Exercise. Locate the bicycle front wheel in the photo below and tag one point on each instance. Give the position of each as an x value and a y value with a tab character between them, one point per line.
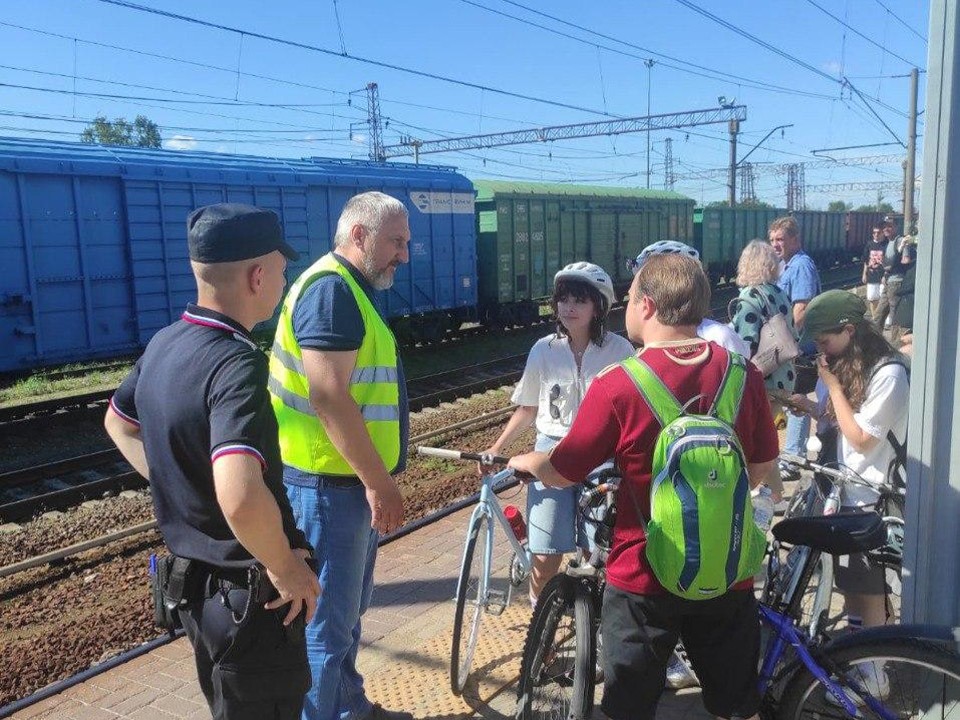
557	672
471	603
901	678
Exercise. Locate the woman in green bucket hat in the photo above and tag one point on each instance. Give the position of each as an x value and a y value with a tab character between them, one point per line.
861	411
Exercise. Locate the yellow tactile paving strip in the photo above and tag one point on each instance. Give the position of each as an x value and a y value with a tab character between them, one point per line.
422	686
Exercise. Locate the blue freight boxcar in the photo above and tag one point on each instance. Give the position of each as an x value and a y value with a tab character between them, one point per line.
93	239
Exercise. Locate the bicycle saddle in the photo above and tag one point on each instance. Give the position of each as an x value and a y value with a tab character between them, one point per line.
839	534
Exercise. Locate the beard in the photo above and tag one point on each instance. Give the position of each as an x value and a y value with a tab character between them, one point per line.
379	279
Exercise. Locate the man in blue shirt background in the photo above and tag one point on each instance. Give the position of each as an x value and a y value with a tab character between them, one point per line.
800	281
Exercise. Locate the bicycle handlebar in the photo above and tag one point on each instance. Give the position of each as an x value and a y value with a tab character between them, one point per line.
459	455
843	475
482	458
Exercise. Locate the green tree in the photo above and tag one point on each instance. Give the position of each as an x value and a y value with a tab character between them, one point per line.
839	206
142	132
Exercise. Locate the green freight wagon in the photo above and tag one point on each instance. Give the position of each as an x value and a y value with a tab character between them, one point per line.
528	231
824	236
722	233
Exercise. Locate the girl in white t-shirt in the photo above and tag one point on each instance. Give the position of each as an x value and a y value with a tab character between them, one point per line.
559	369
863	393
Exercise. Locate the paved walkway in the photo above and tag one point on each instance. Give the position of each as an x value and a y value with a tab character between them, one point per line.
405	655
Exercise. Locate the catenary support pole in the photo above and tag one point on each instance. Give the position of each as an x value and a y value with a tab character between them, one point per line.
732	180
910	173
931	589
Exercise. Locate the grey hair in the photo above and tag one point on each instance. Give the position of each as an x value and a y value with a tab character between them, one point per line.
369	209
758	264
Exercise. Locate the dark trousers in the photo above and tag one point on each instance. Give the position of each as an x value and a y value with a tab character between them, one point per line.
721	637
254	669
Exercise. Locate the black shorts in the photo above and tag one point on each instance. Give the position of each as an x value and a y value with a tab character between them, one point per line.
721	636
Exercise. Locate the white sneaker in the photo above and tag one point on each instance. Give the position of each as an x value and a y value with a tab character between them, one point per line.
679	674
874	679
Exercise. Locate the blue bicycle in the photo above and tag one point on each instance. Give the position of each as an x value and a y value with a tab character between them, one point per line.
896	672
893	672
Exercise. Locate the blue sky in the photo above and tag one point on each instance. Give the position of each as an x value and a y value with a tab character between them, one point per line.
249	95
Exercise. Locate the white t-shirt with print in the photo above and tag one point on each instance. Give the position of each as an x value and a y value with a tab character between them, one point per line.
724	336
884	408
551	379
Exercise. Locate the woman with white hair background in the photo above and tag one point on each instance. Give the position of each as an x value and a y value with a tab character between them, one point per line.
760	299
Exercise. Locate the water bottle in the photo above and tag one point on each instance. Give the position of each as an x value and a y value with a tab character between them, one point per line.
832	504
763	505
515	518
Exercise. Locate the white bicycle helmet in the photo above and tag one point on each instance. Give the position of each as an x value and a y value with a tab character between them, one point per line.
663	247
593	275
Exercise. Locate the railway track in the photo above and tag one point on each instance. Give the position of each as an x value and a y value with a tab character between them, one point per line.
53	486
25	492
113	457
17	415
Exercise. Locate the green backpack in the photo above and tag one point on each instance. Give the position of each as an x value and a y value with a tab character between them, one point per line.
701	538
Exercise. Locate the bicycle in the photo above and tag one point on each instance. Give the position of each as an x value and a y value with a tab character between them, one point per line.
892	672
474	589
557	669
820	496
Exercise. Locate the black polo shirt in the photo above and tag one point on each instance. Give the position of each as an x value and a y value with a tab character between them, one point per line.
200	392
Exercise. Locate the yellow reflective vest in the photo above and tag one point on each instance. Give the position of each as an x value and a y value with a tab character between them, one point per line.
304	443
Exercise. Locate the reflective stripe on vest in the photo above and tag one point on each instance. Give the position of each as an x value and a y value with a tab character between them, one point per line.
304	442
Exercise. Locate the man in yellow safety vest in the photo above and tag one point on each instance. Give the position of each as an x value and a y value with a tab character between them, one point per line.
337	388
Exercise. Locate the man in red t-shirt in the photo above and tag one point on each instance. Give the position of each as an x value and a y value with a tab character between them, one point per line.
641	620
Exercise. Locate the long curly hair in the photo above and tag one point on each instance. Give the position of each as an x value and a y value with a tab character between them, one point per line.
853	367
581	290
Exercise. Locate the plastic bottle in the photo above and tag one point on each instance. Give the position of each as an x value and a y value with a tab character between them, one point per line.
517	524
832	504
763	506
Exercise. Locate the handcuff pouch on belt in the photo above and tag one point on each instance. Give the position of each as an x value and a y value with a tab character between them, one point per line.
175	581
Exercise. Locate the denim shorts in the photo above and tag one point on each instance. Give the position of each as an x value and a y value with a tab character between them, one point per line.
553	524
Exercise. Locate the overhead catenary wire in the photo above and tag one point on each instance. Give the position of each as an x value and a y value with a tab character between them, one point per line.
859	34
257	76
772	48
900	20
705	72
356	58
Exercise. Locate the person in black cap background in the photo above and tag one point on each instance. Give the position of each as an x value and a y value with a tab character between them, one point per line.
194	417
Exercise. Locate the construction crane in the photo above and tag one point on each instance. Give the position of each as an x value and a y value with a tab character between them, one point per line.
666	121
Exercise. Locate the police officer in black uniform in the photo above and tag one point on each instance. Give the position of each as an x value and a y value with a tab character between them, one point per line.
194	417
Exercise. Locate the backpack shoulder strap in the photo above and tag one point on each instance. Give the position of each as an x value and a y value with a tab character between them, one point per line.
658	397
726	404
899	448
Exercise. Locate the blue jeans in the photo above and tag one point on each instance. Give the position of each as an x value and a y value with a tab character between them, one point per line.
336	522
798	432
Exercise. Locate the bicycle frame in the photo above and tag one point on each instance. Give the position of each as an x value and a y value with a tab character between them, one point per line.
788	635
489	506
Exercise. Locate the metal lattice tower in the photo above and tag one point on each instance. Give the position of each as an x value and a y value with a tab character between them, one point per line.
669	177
374	123
796	188
748	177
620	126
